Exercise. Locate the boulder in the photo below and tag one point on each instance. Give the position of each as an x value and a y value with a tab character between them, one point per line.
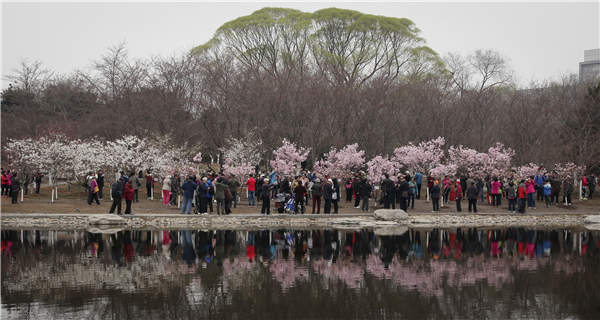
593	219
106	219
390	215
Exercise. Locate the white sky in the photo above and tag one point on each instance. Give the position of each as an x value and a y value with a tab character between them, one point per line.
541	40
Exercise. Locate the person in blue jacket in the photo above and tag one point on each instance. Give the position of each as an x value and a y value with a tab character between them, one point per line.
539	185
418	180
210	190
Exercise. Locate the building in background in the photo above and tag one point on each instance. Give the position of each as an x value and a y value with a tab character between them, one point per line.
589	69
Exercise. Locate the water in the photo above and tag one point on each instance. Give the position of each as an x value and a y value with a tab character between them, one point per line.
301	274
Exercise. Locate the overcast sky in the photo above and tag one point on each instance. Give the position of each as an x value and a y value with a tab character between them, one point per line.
541	40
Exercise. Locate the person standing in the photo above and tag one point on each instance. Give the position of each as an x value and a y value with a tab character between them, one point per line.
356	189
522	194
316	190
413	191
435	195
4	183
349	190
458	196
15	187
137	184
511	196
220	195
568	191
530	185
479	183
189	186
418	179
547	193
166	190
266	197
495	186
539	185
234	185
364	193
472	195
38	182
93	192
335	197
389	192
202	199
210	192
149	184
100	182
116	191
403	190
299	192
128	195
327	195
591	186
555	183
251	184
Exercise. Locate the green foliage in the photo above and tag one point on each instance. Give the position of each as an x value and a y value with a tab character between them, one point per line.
347	45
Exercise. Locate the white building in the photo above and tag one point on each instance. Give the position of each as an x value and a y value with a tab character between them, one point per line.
589	69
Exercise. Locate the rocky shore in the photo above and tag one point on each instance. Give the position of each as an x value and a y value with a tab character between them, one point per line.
384	221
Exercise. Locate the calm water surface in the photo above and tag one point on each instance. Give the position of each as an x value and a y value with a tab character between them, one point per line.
301	274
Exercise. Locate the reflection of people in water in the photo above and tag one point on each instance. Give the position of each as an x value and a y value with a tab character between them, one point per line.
127	246
189	255
116	249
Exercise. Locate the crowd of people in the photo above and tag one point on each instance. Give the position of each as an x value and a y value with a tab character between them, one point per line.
221	192
12	183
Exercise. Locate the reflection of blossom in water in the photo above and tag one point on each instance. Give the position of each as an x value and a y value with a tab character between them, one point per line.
287	273
350	273
428	276
236	270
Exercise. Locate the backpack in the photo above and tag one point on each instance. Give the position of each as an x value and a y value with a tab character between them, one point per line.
114	189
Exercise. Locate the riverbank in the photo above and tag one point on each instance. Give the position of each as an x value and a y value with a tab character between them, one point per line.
104	222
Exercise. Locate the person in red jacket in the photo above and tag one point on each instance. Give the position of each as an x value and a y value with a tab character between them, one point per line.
458	195
128	195
4	183
522	194
251	183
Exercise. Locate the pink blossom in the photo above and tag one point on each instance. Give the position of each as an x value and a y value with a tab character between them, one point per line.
378	166
341	163
288	158
422	157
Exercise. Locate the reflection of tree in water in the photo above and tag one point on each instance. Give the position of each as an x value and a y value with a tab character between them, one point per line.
390	282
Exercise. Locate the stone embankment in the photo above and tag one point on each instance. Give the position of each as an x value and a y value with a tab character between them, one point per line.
382	221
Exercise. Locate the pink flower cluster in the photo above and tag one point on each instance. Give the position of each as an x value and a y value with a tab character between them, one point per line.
341	163
421	157
378	166
288	158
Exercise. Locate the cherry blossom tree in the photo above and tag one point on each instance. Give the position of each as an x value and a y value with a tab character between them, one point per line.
568	170
527	170
243	151
288	158
240	170
378	166
341	163
498	160
442	170
421	157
